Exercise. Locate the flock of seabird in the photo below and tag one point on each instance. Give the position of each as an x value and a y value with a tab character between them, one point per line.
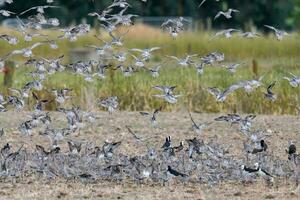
87	162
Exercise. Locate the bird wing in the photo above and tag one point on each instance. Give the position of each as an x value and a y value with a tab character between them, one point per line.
32	8
145	113
167	22
231	89
158	87
157	110
271	27
218	15
192	119
174	57
36	45
93	14
234	10
154	48
135	49
214	91
35	96
269	89
132	133
201	3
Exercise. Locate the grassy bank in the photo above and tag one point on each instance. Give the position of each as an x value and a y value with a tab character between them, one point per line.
275	60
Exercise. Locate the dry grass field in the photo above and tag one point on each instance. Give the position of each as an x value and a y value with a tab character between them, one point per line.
280	130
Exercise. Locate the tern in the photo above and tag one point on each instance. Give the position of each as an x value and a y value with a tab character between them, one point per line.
227	14
279	33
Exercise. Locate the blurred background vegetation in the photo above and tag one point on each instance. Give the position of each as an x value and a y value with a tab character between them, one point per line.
284	14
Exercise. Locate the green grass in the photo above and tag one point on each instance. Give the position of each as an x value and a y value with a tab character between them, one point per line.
275	60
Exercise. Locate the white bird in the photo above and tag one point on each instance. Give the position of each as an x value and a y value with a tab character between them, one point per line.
6	13
10	39
221	95
27	52
165	89
120	4
279	33
8	1
227	33
101	17
198	128
203	1
227	14
39	9
138	62
232	67
146	53
170	98
294	80
200	68
155	71
184	62
263	173
250	35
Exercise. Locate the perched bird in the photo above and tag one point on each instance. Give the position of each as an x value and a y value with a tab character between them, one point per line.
263	173
167	143
263	147
248	169
291	151
180	147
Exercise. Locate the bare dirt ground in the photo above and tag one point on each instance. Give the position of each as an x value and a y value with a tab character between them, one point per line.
280	130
